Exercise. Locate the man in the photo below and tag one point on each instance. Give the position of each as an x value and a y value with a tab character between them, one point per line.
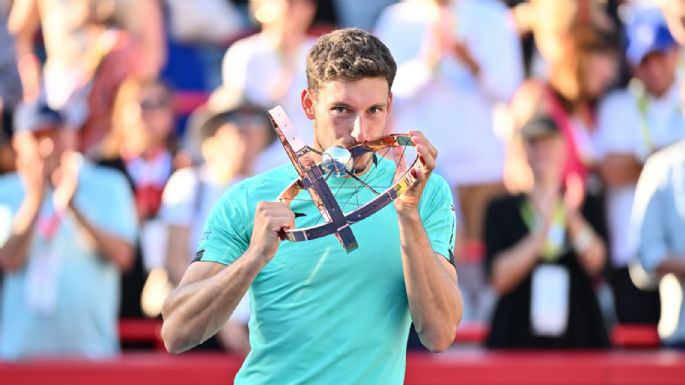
659	213
632	124
66	230
321	315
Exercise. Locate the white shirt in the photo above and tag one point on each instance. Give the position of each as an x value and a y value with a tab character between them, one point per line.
620	129
452	107
249	67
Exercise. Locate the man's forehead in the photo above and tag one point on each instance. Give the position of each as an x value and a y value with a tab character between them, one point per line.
371	90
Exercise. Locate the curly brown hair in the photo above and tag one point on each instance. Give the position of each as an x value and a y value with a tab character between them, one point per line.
348	54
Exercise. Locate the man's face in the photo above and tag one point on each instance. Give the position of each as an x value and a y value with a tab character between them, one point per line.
546	156
657	71
348	112
46	145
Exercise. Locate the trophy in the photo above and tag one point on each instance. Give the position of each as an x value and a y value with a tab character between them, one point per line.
314	168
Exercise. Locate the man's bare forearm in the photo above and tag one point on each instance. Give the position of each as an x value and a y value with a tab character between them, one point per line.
115	249
434	298
196	310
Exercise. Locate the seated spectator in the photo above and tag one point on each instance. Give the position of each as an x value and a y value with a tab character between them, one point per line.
231	140
633	123
544	248
68	228
141	145
659	215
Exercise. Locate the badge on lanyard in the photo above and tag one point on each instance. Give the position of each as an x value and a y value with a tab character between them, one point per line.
549	301
550	284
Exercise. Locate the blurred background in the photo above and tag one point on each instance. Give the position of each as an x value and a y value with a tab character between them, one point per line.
559	125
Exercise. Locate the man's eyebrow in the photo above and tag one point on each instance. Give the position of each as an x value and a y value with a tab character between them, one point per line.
339	104
343	104
379	105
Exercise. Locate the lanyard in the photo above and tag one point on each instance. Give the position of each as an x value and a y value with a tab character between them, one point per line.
637	89
556	235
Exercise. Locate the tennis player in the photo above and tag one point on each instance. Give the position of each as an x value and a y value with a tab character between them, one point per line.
321	315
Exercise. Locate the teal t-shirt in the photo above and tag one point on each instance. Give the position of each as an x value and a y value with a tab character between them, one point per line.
319	314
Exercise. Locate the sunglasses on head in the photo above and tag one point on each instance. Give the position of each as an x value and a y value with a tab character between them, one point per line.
153	104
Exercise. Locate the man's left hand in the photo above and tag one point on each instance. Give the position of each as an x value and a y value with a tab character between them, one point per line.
408	203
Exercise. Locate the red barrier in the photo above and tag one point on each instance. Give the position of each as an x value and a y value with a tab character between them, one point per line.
625	336
458	367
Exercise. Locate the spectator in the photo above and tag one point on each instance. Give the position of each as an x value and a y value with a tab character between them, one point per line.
632	124
268	68
659	215
232	138
582	66
68	229
89	53
449	81
544	248
141	145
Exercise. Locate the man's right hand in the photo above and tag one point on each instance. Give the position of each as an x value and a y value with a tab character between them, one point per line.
270	219
31	167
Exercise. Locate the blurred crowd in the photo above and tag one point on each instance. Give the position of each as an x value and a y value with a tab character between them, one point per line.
559	125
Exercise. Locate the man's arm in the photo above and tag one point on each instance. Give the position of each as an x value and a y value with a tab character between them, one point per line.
431	281
672	264
13	252
115	249
209	292
207	295
31	169
620	169
434	299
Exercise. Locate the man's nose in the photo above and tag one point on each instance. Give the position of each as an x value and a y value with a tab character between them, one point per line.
358	129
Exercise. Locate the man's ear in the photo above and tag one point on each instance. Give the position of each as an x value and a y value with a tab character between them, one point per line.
307	99
389	103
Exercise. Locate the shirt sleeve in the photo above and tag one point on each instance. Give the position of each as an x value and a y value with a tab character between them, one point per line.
226	234
649	215
438	217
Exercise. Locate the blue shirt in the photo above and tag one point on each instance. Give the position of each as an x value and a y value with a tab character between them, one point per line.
82	320
321	315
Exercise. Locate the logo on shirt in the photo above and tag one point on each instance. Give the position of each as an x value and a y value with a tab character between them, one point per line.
205	235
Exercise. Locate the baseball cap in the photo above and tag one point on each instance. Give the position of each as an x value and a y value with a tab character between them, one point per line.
37	116
647	32
539	126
